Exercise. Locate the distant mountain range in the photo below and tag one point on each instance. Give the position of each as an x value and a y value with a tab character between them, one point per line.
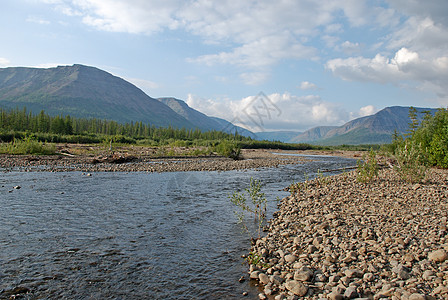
88	92
374	129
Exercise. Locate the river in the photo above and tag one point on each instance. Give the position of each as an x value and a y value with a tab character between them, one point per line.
71	235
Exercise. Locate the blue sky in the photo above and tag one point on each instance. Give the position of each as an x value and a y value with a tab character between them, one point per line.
317	62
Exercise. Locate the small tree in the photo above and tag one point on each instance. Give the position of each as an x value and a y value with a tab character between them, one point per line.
256	205
368	167
411	162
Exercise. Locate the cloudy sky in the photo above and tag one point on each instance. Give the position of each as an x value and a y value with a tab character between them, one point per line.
267	65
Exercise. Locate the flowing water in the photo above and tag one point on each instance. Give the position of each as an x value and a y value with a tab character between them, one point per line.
131	235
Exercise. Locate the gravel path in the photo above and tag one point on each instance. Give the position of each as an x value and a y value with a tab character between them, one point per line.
336	238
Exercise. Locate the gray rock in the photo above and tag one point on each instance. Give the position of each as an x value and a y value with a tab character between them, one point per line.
277	280
401	272
428	275
350	293
368	277
296	287
354	273
255	275
335	296
290	258
416	296
303	275
263	278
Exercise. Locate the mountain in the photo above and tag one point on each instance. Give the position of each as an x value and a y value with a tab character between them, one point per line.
374	129
84	92
201	120
281	136
88	92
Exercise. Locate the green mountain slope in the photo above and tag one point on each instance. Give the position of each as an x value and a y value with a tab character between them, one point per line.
374	129
84	92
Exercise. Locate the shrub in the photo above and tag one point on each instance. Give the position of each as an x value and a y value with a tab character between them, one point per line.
229	149
410	162
368	167
256	205
27	145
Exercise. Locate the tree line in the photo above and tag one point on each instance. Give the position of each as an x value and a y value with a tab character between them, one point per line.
21	120
426	142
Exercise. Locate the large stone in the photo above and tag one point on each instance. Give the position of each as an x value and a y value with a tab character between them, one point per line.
290	258
275	279
296	287
303	275
263	278
255	275
417	297
438	255
351	293
335	296
354	273
401	272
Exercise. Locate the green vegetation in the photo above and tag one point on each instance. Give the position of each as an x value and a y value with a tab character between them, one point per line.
424	145
16	125
229	149
27	145
367	167
256	205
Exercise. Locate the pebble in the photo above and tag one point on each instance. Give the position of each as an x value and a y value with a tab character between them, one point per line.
381	239
296	287
438	255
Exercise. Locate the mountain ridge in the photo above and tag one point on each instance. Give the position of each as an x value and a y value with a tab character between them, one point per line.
374	129
89	92
83	91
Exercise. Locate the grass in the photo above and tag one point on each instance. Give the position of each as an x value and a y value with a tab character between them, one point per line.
28	145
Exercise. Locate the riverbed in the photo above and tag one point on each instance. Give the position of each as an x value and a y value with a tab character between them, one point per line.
120	235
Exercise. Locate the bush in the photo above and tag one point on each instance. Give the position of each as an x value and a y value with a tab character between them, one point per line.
368	167
257	205
410	162
28	145
229	149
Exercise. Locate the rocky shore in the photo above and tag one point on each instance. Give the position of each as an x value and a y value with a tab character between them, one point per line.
142	162
337	238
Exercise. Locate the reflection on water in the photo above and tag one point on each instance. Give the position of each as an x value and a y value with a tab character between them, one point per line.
130	235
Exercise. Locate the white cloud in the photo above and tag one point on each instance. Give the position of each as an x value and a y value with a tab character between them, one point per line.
306	85
437	10
254	36
4	62
273	112
405	65
146	85
257	34
367	110
37	20
349	47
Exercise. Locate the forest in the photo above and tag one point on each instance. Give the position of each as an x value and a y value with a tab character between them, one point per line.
20	124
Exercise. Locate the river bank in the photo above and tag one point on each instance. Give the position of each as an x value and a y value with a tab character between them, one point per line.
336	238
86	158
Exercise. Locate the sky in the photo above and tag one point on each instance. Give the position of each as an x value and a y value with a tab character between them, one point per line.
265	65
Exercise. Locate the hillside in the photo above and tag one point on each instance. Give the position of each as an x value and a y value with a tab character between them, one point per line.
374	129
201	120
84	92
